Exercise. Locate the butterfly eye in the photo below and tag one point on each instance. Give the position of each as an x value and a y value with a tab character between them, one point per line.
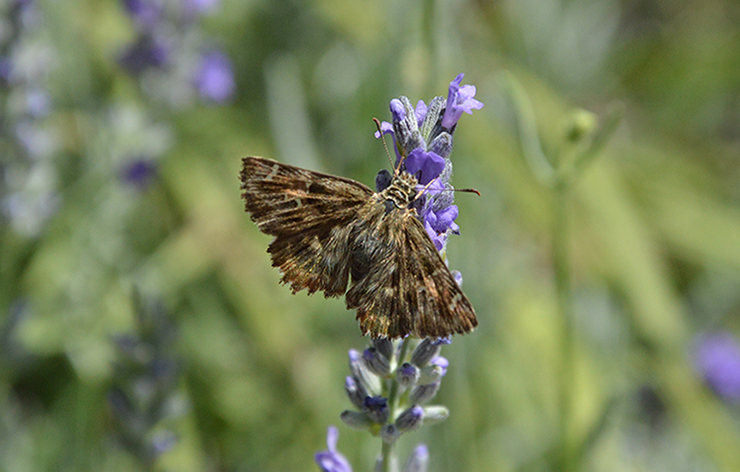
383	180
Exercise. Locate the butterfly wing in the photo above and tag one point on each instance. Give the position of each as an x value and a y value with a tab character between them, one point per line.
310	214
400	284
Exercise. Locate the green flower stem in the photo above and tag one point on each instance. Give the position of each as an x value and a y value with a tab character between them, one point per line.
386	451
561	266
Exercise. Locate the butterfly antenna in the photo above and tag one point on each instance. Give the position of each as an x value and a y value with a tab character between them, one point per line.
385	146
421	192
466	190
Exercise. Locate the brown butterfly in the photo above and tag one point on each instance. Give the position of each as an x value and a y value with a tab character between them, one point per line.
330	230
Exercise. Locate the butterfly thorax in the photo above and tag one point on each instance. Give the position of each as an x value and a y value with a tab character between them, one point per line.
401	191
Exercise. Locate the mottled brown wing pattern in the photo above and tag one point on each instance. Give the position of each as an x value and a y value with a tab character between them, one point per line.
310	214
400	285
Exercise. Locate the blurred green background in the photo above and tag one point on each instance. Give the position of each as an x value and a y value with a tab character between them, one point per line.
128	269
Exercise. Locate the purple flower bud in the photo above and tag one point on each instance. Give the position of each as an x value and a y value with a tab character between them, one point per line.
355	391
384	346
427	350
331	460
410	419
423	393
398	110
215	77
358	369
376	362
459	99
458	277
356	420
442	145
418	460
420	112
435	414
407	375
376	408
717	357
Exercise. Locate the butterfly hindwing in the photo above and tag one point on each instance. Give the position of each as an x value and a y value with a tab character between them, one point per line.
310	214
400	284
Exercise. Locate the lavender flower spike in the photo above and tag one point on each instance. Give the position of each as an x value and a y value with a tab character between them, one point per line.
332	460
459	99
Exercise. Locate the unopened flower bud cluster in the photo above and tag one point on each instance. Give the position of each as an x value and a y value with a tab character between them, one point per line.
378	370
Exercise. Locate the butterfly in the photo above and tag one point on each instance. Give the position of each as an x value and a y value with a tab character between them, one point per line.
331	232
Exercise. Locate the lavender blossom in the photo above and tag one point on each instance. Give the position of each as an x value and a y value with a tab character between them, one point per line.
171	65
717	358
215	77
423	144
459	99
332	460
389	411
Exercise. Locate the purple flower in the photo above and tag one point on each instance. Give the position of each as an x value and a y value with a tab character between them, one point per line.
442	363
398	110
138	172
146	13
429	164
146	52
332	460
410	419
439	224
459	99
717	357
215	77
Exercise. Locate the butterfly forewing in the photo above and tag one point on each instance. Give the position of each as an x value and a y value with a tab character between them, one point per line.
328	229
310	214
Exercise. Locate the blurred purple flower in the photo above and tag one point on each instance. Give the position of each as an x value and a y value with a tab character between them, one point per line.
418	459
717	357
331	460
5	69
200	7
145	13
139	172
215	77
146	52
459	99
